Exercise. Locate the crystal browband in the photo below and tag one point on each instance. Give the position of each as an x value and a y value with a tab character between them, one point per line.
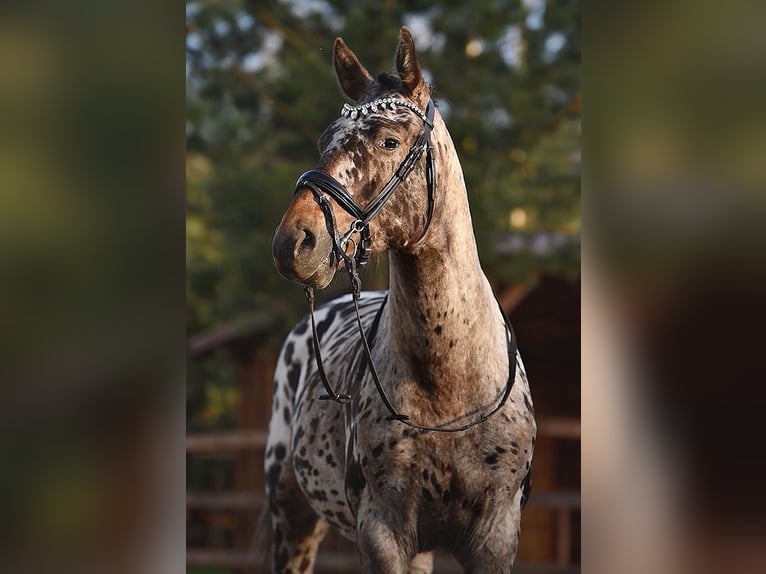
354	112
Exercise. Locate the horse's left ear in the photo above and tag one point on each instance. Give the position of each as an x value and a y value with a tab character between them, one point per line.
352	76
409	69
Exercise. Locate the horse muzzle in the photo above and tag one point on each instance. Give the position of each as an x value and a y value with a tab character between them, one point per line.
302	247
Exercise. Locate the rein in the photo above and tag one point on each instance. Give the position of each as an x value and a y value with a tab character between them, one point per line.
320	184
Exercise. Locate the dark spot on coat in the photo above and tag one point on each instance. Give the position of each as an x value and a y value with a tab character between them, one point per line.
293	376
377	450
286	415
301	327
289	348
280	451
427	495
327	321
302	465
355	478
491	459
319	495
272	476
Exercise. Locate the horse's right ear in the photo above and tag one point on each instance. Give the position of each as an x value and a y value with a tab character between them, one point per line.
352	76
409	69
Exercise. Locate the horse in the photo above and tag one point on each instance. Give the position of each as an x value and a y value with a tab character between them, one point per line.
402	418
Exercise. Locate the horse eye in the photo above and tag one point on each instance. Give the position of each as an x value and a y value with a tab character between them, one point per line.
389	143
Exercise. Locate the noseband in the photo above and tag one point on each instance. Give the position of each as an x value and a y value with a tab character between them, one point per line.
321	183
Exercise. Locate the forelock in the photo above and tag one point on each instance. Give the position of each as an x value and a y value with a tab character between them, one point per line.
386	85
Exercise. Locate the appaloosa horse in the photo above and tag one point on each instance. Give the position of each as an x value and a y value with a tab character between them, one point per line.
401	418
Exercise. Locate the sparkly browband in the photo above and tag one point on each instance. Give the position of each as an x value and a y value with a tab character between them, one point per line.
354	112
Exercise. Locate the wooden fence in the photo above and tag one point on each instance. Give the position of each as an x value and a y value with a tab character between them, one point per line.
564	505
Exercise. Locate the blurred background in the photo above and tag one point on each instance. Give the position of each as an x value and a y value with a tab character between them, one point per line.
92	285
260	91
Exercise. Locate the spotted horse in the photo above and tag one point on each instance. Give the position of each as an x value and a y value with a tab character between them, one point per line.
402	418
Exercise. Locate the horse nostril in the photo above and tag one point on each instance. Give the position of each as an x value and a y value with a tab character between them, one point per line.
305	244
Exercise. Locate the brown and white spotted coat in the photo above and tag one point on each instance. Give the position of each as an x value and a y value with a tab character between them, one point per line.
440	351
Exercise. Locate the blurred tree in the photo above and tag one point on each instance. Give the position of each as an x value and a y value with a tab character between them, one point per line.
260	90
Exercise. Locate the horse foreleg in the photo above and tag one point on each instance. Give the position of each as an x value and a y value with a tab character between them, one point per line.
498	553
297	530
379	550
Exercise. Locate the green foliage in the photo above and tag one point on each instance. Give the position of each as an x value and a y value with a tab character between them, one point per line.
261	89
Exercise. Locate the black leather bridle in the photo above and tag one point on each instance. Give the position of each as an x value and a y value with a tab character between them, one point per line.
320	184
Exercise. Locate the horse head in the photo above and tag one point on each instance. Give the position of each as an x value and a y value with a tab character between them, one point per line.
372	189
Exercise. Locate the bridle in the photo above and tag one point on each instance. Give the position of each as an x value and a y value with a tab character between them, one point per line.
320	184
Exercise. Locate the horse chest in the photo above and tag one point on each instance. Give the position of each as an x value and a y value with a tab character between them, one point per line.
446	468
440	487
318	458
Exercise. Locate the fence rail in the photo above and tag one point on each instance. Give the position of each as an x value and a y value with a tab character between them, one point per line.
224	441
239	500
216	442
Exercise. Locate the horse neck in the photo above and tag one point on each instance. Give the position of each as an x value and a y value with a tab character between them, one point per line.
445	321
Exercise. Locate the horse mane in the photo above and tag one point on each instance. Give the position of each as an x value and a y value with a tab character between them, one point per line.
386	83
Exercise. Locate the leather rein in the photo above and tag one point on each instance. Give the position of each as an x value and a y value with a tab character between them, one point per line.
320	184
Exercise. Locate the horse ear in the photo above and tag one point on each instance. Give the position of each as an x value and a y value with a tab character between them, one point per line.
352	76
409	69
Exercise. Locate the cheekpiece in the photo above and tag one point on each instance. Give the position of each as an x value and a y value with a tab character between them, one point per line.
381	104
